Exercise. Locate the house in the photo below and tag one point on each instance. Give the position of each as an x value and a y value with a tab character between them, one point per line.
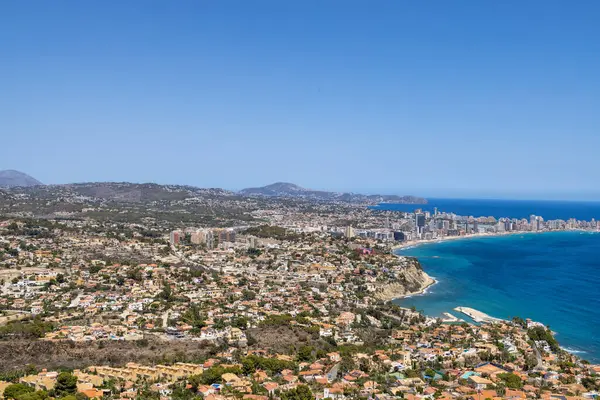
515	394
92	393
479	383
326	330
334	393
270	387
205	390
310	374
404	357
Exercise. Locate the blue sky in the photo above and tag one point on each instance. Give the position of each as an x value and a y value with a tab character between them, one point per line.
441	98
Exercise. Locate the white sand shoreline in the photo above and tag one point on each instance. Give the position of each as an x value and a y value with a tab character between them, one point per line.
415	243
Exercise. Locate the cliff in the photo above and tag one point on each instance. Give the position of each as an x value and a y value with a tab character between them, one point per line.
410	279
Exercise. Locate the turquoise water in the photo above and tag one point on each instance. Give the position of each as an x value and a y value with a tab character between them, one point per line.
550	277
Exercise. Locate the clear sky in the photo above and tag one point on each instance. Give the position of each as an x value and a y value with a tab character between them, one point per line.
436	98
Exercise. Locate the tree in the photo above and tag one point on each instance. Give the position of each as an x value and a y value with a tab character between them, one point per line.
66	384
511	380
347	363
211	375
16	390
167	292
181	393
39	395
195	381
541	333
194	317
305	353
248	295
240	322
302	392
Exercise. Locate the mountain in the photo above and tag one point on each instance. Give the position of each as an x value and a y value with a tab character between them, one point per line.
290	190
278	189
12	178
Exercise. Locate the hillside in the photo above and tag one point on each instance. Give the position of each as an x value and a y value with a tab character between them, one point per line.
12	178
290	190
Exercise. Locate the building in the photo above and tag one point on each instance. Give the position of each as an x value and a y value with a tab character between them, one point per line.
399	236
350	232
202	236
225	235
419	223
175	237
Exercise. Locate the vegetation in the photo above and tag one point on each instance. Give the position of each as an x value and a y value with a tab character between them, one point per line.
511	381
253	362
25	330
16	390
66	384
538	333
277	320
302	392
211	375
194	317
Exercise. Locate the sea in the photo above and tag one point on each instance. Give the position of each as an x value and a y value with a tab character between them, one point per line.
552	277
585	211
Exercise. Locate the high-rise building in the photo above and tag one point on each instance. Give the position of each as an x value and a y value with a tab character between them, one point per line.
225	235
252	242
350	232
202	236
175	237
534	223
209	239
419	222
197	237
399	236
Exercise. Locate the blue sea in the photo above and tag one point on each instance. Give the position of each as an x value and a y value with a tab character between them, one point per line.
552	278
564	210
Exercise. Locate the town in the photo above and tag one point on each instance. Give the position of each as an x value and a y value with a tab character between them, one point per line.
254	298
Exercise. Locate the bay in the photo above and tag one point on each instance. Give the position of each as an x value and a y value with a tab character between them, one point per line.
550	277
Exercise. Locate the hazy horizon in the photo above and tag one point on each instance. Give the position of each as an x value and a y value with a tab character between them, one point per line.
426	193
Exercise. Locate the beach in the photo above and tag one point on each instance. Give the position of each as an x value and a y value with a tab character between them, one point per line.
476	315
414	243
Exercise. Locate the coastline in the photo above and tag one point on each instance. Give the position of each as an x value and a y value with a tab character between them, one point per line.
431	281
415	243
469	307
394	291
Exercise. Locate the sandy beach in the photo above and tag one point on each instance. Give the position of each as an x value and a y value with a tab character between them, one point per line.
476	315
414	243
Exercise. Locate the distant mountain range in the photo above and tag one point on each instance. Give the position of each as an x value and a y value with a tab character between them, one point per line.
134	192
285	189
12	178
